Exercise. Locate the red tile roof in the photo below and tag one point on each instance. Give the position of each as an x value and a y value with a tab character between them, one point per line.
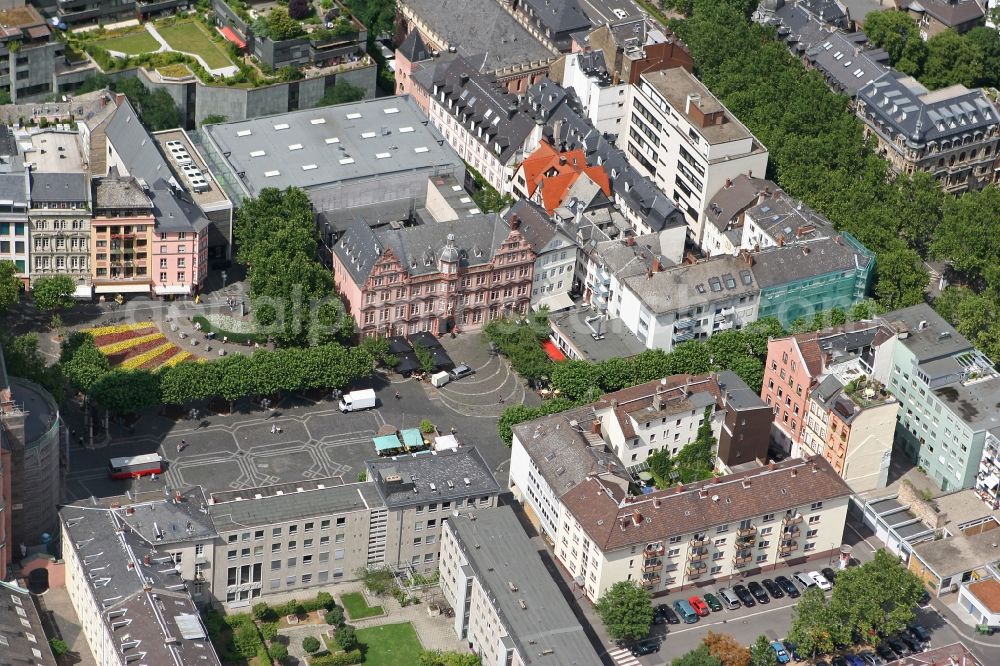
555	173
988	593
614	521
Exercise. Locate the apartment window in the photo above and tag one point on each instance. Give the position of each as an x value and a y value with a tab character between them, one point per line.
324	556
721	529
275	565
762	558
245	552
275	547
339	538
719	543
325	540
763	544
431	538
275	532
233	538
308	527
293	529
810	546
431	524
815	506
676	539
307	559
417	541
715	570
338	554
811	533
290	580
814	519
429	557
307	543
324	525
306	579
274	583
418	526
291	562
718	556
231	555
343	521
292	545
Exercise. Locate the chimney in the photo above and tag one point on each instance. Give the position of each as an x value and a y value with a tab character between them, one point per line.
595	427
805	250
630	240
692	98
781	240
515	222
658	399
656	265
636	517
562	160
729	183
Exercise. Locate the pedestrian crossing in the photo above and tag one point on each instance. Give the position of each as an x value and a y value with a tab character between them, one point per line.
623	657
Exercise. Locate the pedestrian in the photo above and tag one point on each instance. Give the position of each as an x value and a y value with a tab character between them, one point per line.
397	395
453	431
273	428
500	401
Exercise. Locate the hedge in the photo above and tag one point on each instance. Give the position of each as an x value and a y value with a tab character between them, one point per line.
339	659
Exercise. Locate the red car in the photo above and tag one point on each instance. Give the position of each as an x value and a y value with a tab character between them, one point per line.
699	606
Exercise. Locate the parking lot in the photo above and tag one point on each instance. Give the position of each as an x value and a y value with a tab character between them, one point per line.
224	452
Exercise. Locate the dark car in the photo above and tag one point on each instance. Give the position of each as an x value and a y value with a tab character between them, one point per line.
838	660
897	646
645	647
668	614
919	632
885	651
758	593
924	599
829	574
913	643
871	658
713	602
793	650
788	586
772	588
744	594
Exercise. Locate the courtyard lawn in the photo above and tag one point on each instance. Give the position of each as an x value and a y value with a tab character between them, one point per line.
390	645
357	608
191	37
134	43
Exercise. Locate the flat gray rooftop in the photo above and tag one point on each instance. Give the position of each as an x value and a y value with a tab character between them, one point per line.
617	342
279	508
531	607
313	148
415	479
56	152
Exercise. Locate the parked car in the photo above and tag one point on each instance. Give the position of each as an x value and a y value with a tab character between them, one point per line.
924	599
897	646
461	371
744	595
885	651
919	632
804	579
758	592
855	660
729	598
685	611
788	586
829	574
821	580
699	606
912	643
780	653
713	602
648	646
838	660
870	658
772	588
668	615
793	650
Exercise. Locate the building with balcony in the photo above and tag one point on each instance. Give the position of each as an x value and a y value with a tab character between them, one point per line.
797	364
686	141
948	420
129	578
60	213
15	188
435	277
732	526
952	133
507	607
672	304
121	234
33	64
852	426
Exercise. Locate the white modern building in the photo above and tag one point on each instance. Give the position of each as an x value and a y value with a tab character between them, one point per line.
603	98
683	138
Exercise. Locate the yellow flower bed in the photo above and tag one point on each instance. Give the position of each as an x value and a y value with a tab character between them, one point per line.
118	328
116	347
174	360
136	361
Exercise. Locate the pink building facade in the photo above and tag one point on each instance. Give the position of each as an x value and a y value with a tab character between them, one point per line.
179	262
787	382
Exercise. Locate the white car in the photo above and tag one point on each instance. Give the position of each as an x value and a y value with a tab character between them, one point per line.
821	580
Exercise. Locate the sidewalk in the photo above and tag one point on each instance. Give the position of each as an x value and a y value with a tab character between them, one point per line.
61	621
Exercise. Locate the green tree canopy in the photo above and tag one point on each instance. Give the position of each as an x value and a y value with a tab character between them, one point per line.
627	610
10	285
53	292
897	33
699	656
813	624
952	59
82	363
877	598
761	653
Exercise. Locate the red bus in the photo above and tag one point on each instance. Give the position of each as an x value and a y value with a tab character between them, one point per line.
128	467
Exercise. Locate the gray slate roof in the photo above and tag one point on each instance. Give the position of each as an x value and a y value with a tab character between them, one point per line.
949	12
291	505
454	474
783	265
780	215
474	27
479	99
532	609
685	286
559	16
901	105
937	339
117	573
19	618
535	224
737	393
567	127
59	187
174	210
477	237
14	188
413	47
730	201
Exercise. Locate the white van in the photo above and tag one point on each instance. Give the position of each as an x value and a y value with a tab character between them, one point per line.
439	379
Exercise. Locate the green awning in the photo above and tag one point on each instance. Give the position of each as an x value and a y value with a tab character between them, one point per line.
387	443
412	438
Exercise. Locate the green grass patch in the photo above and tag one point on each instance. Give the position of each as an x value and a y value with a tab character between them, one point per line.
177	70
133	43
235	338
390	645
357	608
191	37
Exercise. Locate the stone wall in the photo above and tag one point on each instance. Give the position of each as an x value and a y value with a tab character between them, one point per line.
925	510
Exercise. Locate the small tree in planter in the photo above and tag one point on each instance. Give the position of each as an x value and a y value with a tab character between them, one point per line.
346	638
426	427
335	617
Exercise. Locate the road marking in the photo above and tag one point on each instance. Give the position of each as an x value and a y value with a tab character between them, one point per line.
623	657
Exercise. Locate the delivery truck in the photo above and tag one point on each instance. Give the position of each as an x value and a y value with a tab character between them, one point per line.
358	400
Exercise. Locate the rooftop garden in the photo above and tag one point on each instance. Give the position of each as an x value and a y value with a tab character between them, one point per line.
866	392
319	21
